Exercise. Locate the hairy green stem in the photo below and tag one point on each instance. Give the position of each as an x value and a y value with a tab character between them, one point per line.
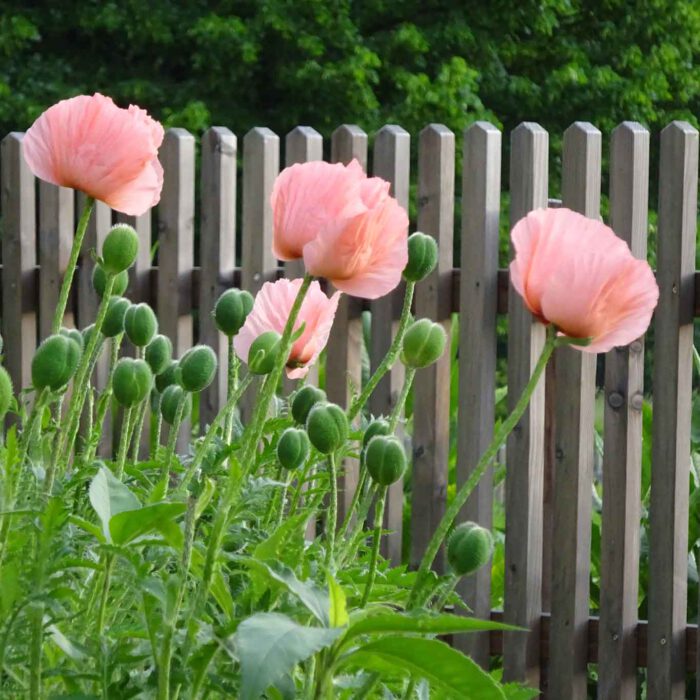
378	524
124	439
172	442
232	385
332	519
156	429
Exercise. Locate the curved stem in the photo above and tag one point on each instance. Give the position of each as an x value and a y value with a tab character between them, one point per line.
72	263
140	417
378	523
401	401
124	439
232	385
156	429
332	520
298	489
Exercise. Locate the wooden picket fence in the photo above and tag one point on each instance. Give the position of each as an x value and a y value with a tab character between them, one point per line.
547	556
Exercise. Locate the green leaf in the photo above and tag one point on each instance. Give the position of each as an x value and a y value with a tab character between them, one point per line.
444	667
110	497
514	691
272	546
269	645
70	649
338	604
87	526
127	526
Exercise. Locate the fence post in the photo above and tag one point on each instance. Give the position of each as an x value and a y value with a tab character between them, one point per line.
525	453
673	346
622	456
478	302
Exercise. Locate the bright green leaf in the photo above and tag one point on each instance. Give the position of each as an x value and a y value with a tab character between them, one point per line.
127	526
110	497
338	604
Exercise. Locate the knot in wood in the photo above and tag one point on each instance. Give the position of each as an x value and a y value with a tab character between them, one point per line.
616	399
637	401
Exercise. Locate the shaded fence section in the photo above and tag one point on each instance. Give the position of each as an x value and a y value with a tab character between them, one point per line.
550	455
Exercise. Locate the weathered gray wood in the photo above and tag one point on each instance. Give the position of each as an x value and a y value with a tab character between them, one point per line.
573	435
343	356
481	198
622	455
431	422
392	162
140	273
217	252
525	453
19	258
673	335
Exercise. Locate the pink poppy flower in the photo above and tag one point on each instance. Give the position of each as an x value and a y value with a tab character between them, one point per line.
91	145
345	226
270	313
575	272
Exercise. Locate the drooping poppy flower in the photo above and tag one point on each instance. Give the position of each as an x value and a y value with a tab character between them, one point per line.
345	226
91	145
271	309
574	272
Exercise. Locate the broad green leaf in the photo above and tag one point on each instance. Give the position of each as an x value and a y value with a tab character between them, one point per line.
109	497
338	604
269	645
514	691
444	667
272	546
87	526
127	526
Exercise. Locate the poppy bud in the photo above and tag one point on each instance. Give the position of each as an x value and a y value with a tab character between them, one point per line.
379	426
87	334
327	427
159	353
470	547
170	400
293	448
55	362
99	281
140	324
131	381
385	459
263	353
113	324
423	344
167	377
231	310
197	368
5	392
120	247
73	333
422	257
304	400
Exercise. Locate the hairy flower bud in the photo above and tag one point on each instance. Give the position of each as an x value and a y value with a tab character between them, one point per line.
422	257
385	459
99	281
470	547
423	344
293	448
263	352
113	324
55	362
379	426
197	368
140	324
159	353
231	311
167	377
170	400
131	381
73	333
304	400
327	427
120	247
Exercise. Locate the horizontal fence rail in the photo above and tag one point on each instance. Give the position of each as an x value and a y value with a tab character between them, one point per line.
213	229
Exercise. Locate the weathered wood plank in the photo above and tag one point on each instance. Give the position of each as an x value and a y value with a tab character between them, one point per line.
139	273
478	299
431	423
574	394
673	334
525	452
622	456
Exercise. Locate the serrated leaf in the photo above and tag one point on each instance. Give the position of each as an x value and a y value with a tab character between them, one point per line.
109	497
338	604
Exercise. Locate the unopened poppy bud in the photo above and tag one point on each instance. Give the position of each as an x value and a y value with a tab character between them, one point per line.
131	381
470	547
197	368
113	324
385	459
263	353
159	353
120	247
422	257
87	334
99	281
55	362
167	377
73	333
170	401
293	448
231	311
304	400
379	426
140	324
327	427
5	392
423	344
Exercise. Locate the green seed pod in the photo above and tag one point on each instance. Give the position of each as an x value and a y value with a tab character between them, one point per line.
327	427
140	324
120	247
55	362
470	547
293	448
379	426
5	392
99	281
197	368
231	310
423	344
422	257
263	353
131	381
385	459
304	400
159	353
113	324
73	333
167	377
169	402
87	334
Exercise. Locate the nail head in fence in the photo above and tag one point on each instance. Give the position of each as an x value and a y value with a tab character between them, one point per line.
673	344
622	456
392	162
19	258
343	354
431	423
478	304
217	246
574	400
525	448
